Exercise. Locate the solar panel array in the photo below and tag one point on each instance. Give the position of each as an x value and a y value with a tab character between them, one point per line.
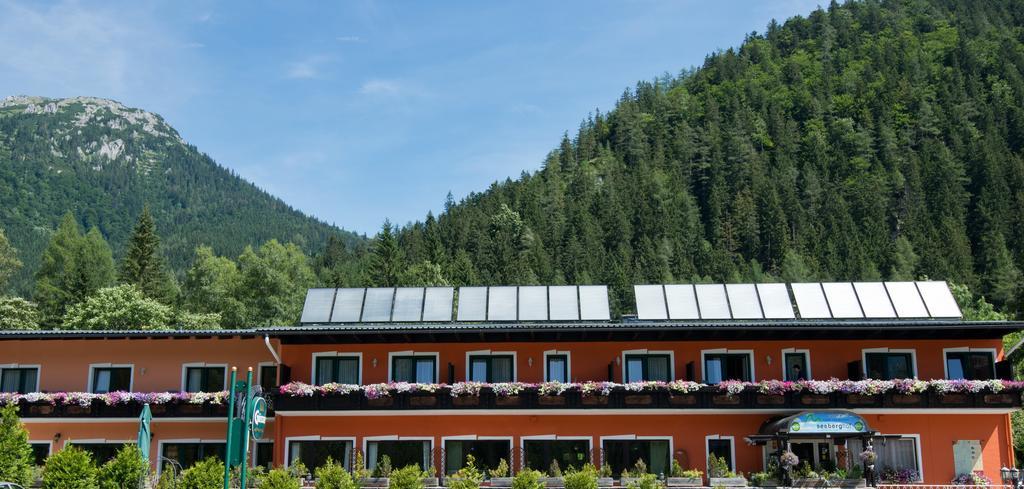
435	304
829	300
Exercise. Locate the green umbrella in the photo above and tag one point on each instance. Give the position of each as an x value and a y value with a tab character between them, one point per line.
144	431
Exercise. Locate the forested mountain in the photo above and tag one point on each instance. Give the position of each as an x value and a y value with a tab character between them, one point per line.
103	162
873	139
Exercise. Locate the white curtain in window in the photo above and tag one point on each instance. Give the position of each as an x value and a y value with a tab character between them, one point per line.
895	453
657	369
502	369
425	371
371	455
714	370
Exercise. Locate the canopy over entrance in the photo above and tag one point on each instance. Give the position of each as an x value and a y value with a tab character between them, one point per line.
824	424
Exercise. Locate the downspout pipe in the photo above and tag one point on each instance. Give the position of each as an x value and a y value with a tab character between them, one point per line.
273	352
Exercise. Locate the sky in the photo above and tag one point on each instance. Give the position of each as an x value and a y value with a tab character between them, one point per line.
361	111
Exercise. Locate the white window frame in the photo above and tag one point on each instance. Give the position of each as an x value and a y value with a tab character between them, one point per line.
409	353
259	370
707	451
255	442
964	349
670	438
643	351
94	366
524	439
475	353
446	439
184	373
48	443
917	451
568	363
714	351
368	439
912	351
289	439
38	367
807	359
160	447
332	354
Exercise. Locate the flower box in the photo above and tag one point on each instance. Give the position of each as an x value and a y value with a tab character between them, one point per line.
808	483
626	481
374	482
339	402
40	409
684	482
849	483
953	399
815	399
466	401
907	399
605	482
594	400
551	400
770	399
552	481
422	400
501	482
189	409
862	399
1000	399
725	400
508	401
430	482
682	400
639	400
157	409
386	401
727	481
768	483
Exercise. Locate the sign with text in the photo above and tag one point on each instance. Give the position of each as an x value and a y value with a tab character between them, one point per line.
827	422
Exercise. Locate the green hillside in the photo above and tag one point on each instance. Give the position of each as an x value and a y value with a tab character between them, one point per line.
867	140
104	162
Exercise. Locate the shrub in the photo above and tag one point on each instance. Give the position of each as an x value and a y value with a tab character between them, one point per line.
468	477
298	469
167	479
528	479
554	470
207	474
719	468
606	470
758	479
585	478
383	468
15	452
333	476
280	479
359	471
501	470
409	477
70	468
640	468
126	470
646	481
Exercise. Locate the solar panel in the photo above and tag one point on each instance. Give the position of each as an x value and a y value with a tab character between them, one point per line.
348	305
682	302
906	299
743	301
317	308
472	304
594	303
437	303
874	300
533	303
775	301
939	299
712	301
563	303
408	304
501	304
810	300
842	299
377	305
650	302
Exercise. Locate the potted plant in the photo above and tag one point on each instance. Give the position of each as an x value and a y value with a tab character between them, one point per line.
554	478
585	478
763	479
468	477
528	479
499	476
429	477
604	476
684	478
630	477
719	474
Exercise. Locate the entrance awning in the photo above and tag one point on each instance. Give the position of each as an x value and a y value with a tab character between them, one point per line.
814	424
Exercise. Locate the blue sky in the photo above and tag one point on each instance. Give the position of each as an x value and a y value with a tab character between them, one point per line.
359	111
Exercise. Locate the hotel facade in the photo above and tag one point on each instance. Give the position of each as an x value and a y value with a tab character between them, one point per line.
539	374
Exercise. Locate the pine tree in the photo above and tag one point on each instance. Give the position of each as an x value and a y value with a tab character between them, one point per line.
9	262
386	262
73	268
15	451
143	265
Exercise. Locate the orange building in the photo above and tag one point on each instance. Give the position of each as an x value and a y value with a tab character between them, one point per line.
536	375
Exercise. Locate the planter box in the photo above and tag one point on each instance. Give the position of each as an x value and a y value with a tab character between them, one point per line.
639	400
849	483
339	402
188	409
596	400
430	482
39	409
953	399
158	409
907	399
422	400
605	482
808	483
768	483
466	401
625	481
501	482
386	401
727	481
682	399
374	482
770	399
552	481
725	400
508	401
1000	399
863	399
815	399
551	400
684	482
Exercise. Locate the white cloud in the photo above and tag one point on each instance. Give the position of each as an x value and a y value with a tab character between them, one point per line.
355	39
381	87
307	68
204	17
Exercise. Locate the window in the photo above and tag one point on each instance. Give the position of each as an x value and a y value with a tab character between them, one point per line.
624	454
488	453
187	454
894	454
402	453
40	450
411	368
264	454
721	448
568	453
314	453
557	368
970	365
111	379
20	379
648	367
340	369
726	366
795	364
268	377
491	368
204	379
101	452
889	365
